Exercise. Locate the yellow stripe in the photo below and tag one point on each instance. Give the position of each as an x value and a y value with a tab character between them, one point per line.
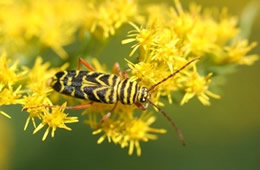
69	82
100	81
116	87
87	83
61	81
108	93
119	89
90	73
82	90
73	92
126	95
133	91
54	81
77	73
95	93
110	80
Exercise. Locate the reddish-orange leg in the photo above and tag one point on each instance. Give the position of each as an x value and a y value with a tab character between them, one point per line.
106	116
140	106
86	64
82	106
116	69
77	107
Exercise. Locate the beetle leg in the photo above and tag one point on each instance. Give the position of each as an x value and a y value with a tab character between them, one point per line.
140	106
116	69
82	106
125	75
106	116
86	64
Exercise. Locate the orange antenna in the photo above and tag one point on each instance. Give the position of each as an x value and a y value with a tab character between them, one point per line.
179	133
173	74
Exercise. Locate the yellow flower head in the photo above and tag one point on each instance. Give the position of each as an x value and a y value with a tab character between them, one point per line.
34	105
129	131
9	73
138	129
9	95
110	15
55	119
237	53
145	38
196	85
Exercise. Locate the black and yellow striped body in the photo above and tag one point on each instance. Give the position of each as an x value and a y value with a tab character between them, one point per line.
98	87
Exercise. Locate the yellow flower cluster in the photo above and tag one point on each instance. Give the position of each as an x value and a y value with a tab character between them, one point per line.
54	23
173	37
109	16
9	75
34	96
167	39
128	131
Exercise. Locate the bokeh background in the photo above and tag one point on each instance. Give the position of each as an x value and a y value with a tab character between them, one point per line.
225	135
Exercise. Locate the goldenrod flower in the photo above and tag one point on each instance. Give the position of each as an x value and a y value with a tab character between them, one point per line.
173	37
56	118
9	73
112	130
38	77
196	85
9	95
138	129
143	37
50	23
34	105
110	15
129	131
237	53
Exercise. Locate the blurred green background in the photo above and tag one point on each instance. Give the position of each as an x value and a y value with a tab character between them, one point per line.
225	135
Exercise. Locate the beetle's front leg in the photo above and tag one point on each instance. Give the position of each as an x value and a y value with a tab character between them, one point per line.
107	115
141	107
116	69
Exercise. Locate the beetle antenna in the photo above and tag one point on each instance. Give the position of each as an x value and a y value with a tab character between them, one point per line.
173	74
179	133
